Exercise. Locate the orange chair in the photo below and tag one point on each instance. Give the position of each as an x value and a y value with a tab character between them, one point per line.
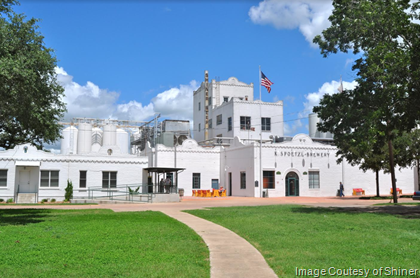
215	193
399	191
194	193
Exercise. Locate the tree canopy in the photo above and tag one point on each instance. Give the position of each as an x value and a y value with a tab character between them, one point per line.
31	98
384	104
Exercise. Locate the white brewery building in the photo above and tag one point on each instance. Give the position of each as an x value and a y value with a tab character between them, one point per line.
238	143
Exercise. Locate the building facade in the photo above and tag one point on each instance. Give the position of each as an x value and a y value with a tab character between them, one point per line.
230	110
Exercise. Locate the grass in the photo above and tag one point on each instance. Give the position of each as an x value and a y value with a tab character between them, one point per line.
384	197
398	204
47	204
98	243
313	238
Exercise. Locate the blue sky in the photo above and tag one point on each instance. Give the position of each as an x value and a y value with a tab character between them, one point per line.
131	59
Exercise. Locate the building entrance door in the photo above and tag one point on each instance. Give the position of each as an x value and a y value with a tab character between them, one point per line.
25	185
292	184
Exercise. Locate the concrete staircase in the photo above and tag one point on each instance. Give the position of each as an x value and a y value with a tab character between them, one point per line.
26	198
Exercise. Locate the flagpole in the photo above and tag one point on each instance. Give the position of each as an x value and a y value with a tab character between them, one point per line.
260	81
261	181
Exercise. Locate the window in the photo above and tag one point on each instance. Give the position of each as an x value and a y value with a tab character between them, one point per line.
229	123
109	179
211	123
215	183
219	119
49	178
199	106
82	179
199	127
243	180
313	179
266	124
225	99
3	177
209	100
268	180
196	180
245	123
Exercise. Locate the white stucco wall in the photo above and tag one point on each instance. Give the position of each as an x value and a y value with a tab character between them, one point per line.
195	159
302	155
128	168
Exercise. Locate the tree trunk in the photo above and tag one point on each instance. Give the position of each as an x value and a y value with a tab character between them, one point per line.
418	174
377	183
391	168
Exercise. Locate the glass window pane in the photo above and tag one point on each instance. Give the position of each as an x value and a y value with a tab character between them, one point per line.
3	174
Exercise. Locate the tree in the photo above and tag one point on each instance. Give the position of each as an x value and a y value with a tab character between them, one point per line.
68	195
361	146
31	98
388	70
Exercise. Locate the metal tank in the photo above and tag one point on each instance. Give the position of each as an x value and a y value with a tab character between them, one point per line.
69	140
313	120
84	142
122	140
110	135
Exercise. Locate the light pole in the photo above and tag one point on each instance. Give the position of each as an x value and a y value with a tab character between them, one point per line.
176	144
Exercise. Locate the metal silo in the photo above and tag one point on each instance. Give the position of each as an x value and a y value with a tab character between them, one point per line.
69	140
122	140
84	138
110	135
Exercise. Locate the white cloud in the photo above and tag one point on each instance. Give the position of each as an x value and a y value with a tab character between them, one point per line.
176	103
310	16
90	101
327	88
312	99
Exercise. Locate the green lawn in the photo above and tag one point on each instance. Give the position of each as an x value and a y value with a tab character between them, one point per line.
98	243
320	238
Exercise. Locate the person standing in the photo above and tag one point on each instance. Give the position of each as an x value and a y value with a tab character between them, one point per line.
341	189
168	185
161	185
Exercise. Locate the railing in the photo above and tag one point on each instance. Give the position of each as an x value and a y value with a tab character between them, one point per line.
16	194
127	192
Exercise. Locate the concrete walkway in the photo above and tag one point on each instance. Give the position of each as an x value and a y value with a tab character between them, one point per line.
230	255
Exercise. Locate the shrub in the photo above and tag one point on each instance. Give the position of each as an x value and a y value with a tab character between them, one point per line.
1	200
9	200
69	191
44	201
52	200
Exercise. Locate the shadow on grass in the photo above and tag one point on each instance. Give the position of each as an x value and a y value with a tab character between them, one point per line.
21	216
409	212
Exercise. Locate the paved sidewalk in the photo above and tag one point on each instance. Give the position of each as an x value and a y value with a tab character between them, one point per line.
231	256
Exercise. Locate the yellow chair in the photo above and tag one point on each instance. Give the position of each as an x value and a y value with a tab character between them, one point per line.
194	193
399	191
207	193
224	193
215	193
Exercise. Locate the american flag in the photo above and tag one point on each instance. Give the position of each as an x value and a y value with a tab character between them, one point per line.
266	82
